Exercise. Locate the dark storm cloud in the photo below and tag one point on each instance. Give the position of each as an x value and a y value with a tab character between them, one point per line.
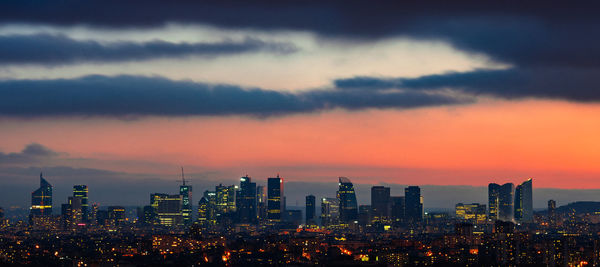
523	33
32	153
580	85
60	49
135	95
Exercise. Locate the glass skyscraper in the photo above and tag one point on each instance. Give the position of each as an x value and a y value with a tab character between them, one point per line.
274	198
501	205
380	203
41	199
82	192
413	204
186	203
247	201
348	204
524	202
310	209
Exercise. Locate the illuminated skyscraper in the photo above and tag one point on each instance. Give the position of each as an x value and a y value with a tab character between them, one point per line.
167	208
186	203
348	203
524	202
41	199
330	211
310	210
247	201
116	215
82	192
275	197
261	199
380	203
413	206
501	205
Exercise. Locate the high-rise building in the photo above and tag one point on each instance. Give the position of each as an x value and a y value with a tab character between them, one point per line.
310	210
167	209
524	202
275	198
41	199
330	211
364	215
474	213
82	192
552	212
348	203
380	203
225	199
261	199
501	205
185	191
293	217
247	201
211	206
397	209
413	206
116	215
148	215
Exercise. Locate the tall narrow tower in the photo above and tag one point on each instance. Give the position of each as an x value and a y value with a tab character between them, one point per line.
186	198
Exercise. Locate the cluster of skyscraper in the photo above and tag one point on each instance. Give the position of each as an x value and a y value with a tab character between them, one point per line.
506	203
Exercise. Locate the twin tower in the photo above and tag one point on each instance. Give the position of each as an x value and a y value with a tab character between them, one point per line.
509	204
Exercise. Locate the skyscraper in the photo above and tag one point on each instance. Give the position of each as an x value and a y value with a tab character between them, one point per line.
474	213
524	202
275	197
330	211
247	201
167	208
310	209
413	204
380	203
501	205
186	200
41	199
348	204
261	199
225	199
397	209
552	212
82	191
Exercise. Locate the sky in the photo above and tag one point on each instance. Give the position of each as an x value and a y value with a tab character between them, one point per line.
447	96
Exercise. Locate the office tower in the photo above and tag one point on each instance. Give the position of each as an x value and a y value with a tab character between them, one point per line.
82	192
102	217
225	199
148	215
75	209
275	198
474	213
524	202
186	200
94	214
413	206
348	204
261	198
552	212
501	205
203	211
364	215
397	209
41	199
167	209
310	209
116	215
247	201
211	209
380	203
330	211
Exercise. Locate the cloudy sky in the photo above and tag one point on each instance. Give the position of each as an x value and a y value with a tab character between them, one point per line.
450	96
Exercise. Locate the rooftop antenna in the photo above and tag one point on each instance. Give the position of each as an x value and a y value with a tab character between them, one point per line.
182	176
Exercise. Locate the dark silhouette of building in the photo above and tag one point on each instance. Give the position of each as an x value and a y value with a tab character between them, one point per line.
275	198
41	199
413	204
380	203
348	203
524	202
397	209
116	215
310	209
552	212
247	201
82	192
501	205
